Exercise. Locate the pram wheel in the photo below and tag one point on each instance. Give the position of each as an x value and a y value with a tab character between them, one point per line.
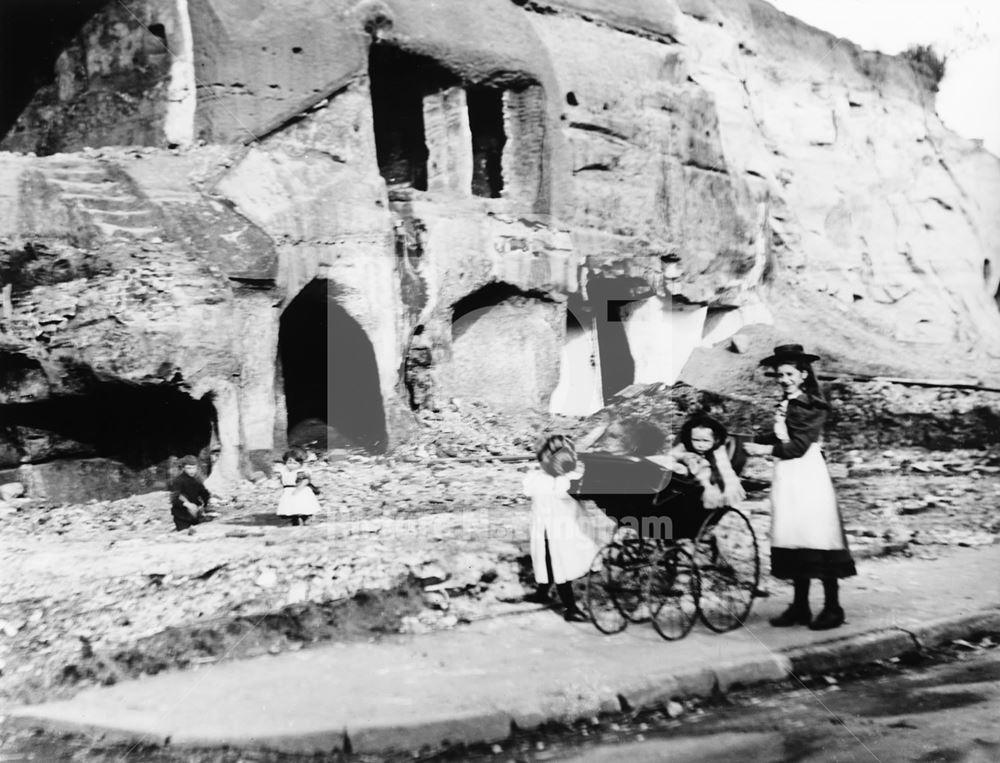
615	585
673	591
726	554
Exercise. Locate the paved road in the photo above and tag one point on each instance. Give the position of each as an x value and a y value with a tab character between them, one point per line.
934	711
948	712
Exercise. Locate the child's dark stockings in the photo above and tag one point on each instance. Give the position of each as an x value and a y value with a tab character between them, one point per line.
565	590
831	593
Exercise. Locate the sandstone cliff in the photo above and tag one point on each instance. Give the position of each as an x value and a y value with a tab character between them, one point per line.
374	206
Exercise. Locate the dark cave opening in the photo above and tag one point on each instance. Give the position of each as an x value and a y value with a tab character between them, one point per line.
332	393
139	425
160	32
32	35
488	139
399	82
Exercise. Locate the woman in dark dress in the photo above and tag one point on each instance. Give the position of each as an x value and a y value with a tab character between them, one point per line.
807	533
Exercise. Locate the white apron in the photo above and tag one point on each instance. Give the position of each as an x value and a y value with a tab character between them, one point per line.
296	500
556	515
804	510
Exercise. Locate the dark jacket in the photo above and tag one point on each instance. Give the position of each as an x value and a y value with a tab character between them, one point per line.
804	418
189	487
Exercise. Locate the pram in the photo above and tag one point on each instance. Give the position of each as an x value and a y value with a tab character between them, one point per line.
670	560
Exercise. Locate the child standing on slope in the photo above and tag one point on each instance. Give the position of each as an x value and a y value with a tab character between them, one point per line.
560	550
298	499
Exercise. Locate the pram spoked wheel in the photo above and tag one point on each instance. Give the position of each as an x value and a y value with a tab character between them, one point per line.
673	592
616	585
725	551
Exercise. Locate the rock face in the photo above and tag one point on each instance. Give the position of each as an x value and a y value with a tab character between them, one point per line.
376	206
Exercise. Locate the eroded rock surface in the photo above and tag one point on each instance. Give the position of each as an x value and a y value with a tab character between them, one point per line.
460	195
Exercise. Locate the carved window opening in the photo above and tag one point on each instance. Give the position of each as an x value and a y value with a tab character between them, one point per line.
331	379
435	133
488	140
399	82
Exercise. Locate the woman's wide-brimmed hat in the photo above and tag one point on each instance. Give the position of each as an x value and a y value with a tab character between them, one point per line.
788	353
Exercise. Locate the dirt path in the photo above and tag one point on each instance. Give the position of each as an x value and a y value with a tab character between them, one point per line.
105	590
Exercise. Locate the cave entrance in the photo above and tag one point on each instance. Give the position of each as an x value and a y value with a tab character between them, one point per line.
331	380
505	345
139	425
32	35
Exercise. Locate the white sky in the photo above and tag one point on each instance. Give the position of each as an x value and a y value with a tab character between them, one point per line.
966	31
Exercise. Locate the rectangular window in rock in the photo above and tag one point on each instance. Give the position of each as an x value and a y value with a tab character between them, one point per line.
488	139
436	133
399	83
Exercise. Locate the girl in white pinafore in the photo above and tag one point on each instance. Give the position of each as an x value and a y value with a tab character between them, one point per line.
807	534
560	549
298	500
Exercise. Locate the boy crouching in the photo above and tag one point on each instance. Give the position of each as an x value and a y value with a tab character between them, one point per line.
188	496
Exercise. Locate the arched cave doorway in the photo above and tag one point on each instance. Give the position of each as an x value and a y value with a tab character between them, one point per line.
332	393
505	347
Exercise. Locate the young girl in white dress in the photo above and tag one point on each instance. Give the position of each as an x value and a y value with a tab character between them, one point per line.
298	500
560	549
807	534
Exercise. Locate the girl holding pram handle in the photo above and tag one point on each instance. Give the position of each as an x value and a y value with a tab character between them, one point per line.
560	549
807	533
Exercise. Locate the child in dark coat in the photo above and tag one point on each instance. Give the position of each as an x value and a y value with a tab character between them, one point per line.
188	496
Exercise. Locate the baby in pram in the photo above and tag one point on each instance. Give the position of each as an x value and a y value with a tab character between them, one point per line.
700	455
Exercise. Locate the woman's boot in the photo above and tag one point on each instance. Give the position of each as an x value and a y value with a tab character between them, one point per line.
832	615
798	613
